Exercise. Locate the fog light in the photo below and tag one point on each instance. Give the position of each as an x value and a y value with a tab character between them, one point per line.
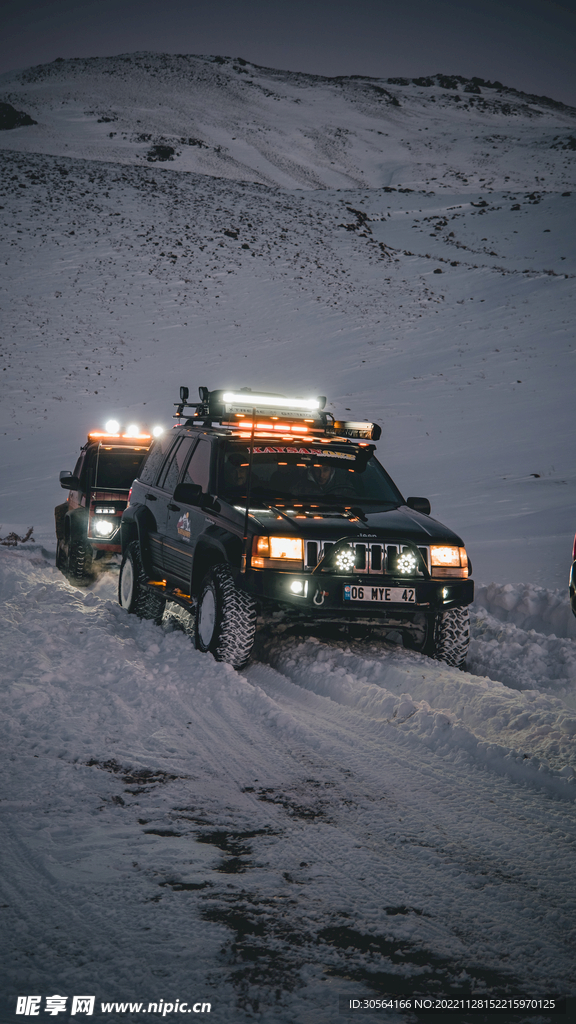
345	559
103	527
445	593
406	563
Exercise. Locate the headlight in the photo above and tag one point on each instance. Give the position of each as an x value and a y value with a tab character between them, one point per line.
447	561
103	527
278	553
345	559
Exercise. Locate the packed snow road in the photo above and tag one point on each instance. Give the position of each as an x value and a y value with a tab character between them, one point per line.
340	818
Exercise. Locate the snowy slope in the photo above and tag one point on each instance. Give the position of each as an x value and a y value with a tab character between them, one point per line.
448	319
340	818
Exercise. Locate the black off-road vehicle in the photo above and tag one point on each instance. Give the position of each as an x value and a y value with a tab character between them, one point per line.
264	507
88	523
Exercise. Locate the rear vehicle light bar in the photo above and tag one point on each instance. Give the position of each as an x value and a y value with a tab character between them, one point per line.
129	439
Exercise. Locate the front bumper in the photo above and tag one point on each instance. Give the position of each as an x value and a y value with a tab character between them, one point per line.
323	594
103	545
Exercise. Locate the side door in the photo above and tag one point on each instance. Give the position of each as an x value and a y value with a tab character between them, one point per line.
185	523
152	495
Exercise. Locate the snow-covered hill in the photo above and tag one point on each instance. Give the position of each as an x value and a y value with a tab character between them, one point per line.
232	119
340	817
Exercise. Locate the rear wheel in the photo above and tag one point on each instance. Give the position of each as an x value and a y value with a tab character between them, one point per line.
61	555
225	618
133	594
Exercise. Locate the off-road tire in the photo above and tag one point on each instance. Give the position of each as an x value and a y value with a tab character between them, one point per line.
79	567
133	594
451	637
225	618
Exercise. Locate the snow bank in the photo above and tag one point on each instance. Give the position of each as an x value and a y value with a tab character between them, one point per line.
529	606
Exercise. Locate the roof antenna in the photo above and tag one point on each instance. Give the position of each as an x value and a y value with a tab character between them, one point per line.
248	490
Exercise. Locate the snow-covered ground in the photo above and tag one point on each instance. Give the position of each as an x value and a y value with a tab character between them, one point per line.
340	817
337	819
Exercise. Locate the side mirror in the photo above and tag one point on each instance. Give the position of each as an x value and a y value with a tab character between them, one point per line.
419	505
69	481
188	494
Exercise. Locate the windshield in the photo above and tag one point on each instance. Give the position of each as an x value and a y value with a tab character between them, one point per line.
309	474
115	469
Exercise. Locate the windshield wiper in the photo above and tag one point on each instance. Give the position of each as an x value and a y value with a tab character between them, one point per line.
273	508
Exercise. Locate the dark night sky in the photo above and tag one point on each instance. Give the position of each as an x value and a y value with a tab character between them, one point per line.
528	44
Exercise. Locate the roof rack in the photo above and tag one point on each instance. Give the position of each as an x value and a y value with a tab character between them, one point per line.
238	410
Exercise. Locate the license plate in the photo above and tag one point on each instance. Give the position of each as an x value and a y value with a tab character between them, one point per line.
400	595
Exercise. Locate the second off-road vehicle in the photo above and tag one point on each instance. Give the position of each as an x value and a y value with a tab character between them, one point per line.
258	506
88	523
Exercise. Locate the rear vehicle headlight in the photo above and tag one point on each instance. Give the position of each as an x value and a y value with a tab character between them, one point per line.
278	553
447	561
103	527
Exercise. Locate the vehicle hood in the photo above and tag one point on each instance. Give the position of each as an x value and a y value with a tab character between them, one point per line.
389	525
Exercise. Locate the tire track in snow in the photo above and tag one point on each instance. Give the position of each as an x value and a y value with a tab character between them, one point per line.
529	736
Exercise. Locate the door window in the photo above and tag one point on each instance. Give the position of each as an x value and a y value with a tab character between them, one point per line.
198	469
178	458
156	457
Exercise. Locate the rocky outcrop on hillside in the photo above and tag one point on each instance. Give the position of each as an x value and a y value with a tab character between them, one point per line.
12	118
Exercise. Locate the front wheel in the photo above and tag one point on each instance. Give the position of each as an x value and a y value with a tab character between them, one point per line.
450	637
133	594
79	568
225	618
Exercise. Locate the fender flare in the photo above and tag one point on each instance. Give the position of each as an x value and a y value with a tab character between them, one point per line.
75	521
137	521
211	551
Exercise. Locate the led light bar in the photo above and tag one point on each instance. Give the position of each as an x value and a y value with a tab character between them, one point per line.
245	403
